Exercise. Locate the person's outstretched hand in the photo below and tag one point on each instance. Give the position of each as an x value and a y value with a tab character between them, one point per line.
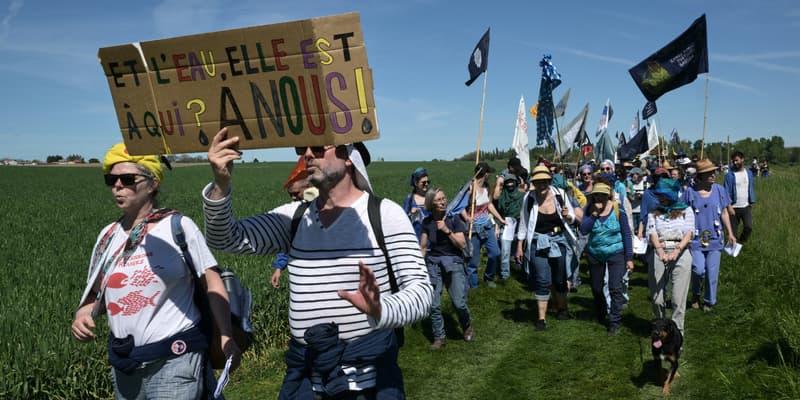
367	298
221	155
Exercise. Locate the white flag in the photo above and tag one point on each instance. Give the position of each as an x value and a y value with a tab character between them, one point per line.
652	138
567	135
608	112
634	125
520	143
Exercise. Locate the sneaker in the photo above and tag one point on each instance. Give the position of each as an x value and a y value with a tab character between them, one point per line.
541	325
563	315
612	330
469	334
438	344
491	284
708	308
696	302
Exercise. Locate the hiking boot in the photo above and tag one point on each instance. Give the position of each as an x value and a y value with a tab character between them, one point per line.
563	315
438	344
468	333
541	325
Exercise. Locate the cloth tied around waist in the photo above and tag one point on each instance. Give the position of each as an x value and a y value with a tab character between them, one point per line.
126	357
550	242
325	353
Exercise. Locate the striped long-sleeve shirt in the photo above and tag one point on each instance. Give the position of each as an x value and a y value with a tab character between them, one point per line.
324	260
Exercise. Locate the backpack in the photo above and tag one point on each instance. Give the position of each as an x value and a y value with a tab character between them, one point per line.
374	215
240	300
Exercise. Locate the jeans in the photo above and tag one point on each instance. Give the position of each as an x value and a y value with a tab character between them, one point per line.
454	280
547	272
744	215
178	378
677	273
483	236
705	264
615	268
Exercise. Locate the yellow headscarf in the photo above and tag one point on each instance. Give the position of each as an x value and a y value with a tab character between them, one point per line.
118	153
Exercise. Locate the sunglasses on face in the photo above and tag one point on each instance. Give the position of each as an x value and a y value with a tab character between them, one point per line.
317	151
426	182
607	169
126	179
586	174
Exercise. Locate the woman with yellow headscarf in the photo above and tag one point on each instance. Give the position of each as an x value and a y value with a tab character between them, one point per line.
138	277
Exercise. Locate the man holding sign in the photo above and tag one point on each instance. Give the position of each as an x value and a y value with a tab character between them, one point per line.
344	297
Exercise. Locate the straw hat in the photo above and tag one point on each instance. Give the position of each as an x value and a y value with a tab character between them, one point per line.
601	188
705	165
541	172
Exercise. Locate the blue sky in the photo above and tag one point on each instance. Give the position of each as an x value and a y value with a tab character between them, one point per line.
55	99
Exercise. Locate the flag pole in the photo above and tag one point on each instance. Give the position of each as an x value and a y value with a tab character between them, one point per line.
477	157
705	116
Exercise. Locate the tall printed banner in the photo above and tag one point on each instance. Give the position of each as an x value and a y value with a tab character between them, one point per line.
521	136
301	83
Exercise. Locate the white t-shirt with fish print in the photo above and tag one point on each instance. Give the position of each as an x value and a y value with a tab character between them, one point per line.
149	292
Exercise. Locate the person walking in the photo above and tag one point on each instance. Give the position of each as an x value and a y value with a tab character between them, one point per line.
543	238
414	204
609	251
740	185
709	202
344	298
445	260
138	277
670	227
484	233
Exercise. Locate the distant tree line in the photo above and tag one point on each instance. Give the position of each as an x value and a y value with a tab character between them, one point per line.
771	149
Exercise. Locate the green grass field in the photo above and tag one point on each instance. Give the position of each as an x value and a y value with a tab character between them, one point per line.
748	347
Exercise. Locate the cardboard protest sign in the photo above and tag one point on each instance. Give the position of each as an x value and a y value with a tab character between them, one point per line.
301	83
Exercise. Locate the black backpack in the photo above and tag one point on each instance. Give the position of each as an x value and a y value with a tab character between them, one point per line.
374	214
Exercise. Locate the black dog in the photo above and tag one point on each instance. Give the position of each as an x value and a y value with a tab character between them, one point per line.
667	343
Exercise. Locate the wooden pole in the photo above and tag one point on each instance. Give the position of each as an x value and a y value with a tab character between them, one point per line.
477	157
705	116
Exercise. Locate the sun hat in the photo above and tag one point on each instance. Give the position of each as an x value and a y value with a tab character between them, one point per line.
119	153
541	173
601	188
662	171
636	170
668	188
667	165
705	165
358	154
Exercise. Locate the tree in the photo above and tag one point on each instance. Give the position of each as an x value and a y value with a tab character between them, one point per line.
75	158
94	161
54	158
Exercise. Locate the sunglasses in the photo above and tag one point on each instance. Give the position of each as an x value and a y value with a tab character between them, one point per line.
428	182
126	179
586	174
317	151
607	169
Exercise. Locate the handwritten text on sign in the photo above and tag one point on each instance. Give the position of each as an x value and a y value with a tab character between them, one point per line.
298	83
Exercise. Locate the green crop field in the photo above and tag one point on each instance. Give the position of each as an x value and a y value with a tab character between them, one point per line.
748	347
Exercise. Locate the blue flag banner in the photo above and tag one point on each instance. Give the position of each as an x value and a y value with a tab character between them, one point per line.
479	59
544	119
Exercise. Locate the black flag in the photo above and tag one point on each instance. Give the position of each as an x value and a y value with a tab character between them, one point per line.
649	109
676	64
635	146
479	59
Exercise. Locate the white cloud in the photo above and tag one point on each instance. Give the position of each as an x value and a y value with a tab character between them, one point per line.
5	23
732	84
755	60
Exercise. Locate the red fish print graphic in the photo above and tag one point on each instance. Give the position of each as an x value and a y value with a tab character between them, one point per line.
140	278
132	303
